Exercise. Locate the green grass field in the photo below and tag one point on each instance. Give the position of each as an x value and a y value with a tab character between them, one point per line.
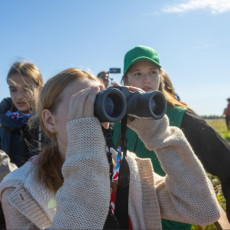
220	127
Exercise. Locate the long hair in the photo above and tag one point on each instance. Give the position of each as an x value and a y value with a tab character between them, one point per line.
26	69
169	91
168	86
50	160
31	71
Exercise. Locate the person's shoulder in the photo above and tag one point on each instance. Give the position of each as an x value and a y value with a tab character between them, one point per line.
6	100
6	103
175	114
195	124
18	176
5	165
176	108
192	116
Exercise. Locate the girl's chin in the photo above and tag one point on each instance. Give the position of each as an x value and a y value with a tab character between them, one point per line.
23	110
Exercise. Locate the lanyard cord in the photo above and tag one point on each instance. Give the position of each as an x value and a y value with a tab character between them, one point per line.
111	221
121	218
108	134
123	136
121	209
124	173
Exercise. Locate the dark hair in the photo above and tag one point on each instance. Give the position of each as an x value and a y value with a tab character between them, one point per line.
104	71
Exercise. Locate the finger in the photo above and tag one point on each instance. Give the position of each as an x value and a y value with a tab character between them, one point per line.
105	124
134	89
131	88
116	84
89	102
77	104
102	87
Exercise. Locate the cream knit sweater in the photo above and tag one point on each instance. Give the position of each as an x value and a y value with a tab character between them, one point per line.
184	194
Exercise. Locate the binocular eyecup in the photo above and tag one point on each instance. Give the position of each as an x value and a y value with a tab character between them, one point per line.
112	104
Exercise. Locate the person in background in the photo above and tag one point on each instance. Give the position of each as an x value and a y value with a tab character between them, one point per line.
227	114
16	140
70	184
104	77
142	69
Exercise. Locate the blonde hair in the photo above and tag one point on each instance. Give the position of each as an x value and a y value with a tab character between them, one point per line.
26	69
31	71
50	161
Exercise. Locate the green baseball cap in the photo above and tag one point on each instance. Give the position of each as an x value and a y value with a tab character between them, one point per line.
140	53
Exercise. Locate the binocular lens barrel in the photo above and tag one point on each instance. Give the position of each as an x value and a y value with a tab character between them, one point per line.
150	104
110	105
158	105
114	103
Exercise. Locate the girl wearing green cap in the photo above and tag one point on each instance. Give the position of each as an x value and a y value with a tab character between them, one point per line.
142	69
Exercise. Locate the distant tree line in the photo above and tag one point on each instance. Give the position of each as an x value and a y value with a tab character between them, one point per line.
207	117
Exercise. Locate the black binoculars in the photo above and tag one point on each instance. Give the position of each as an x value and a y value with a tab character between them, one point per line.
112	104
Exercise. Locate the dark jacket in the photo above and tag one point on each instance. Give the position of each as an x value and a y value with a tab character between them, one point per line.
212	150
15	138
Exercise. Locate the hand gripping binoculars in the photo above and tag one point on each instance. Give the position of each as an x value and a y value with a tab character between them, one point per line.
112	104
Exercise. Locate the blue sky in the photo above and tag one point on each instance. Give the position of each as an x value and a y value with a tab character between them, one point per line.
192	38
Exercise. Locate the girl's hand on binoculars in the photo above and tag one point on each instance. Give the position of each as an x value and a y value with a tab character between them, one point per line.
105	124
82	103
131	88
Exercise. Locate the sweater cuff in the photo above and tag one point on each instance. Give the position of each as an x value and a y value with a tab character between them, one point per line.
150	131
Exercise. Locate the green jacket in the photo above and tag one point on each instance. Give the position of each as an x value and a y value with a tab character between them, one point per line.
134	144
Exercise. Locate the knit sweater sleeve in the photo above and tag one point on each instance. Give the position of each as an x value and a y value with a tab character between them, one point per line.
185	193
83	200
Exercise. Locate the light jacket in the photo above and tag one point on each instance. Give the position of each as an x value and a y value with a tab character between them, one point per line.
184	194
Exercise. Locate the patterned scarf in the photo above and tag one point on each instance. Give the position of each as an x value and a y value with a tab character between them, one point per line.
17	115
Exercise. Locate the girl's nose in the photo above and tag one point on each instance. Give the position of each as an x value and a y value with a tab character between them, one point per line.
145	78
20	94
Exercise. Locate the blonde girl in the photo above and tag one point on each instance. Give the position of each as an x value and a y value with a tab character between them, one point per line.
67	186
25	82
